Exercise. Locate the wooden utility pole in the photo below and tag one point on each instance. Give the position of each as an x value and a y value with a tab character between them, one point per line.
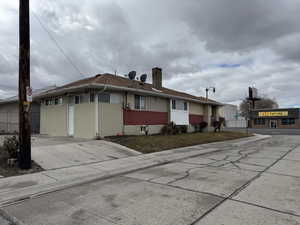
24	87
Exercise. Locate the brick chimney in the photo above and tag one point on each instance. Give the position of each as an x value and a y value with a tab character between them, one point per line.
157	77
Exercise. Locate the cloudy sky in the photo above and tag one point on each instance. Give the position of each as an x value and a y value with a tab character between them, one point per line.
228	44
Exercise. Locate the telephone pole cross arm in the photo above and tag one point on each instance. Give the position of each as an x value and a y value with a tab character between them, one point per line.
24	157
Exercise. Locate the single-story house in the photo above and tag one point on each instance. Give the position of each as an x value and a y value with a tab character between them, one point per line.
9	113
109	105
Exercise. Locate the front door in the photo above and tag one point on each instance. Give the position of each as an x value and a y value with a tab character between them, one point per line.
273	123
71	120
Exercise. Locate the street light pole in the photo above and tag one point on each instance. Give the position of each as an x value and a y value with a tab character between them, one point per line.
24	86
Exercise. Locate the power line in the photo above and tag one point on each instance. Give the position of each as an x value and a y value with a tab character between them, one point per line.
57	44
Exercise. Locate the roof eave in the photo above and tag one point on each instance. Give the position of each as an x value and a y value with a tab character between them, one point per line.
95	85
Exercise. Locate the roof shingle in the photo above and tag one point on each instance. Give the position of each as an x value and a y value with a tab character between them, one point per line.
114	80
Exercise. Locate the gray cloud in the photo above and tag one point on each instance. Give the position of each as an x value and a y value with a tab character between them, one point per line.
229	25
195	42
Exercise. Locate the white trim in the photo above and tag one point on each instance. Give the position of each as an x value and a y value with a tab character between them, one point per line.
136	90
71	134
96	114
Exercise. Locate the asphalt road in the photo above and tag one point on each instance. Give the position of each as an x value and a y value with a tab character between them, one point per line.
268	131
252	184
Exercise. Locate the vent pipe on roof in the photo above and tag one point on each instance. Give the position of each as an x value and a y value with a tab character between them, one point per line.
157	77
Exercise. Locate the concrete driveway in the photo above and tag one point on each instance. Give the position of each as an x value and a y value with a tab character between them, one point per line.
63	152
254	183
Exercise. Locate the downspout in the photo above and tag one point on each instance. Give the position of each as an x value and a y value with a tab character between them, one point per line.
97	128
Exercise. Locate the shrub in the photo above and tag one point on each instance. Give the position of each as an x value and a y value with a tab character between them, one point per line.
11	146
183	129
203	125
168	129
172	129
200	126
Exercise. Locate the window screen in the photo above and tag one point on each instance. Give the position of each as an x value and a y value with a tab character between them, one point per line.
173	104
104	97
115	98
84	98
139	102
77	99
92	97
179	105
185	106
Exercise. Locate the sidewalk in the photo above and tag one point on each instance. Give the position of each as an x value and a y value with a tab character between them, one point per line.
18	188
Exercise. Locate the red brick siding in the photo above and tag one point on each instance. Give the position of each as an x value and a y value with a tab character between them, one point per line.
195	119
135	117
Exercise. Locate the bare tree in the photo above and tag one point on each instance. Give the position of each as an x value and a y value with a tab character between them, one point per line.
264	103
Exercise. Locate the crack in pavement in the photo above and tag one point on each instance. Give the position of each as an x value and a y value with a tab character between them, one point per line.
187	174
238	190
265	207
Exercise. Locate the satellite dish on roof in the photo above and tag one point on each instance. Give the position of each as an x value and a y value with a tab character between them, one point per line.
143	78
132	75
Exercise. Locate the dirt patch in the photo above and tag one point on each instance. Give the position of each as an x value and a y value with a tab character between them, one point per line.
7	171
157	143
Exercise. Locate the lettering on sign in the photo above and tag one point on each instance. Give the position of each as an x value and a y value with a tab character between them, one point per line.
270	114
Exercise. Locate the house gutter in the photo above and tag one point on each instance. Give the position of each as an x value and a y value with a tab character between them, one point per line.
93	85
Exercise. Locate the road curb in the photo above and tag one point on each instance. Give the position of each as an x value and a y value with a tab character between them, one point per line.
11	219
144	162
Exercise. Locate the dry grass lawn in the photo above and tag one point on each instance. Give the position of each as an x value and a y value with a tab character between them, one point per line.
156	143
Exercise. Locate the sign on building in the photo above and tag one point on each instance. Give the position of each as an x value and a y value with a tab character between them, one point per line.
273	114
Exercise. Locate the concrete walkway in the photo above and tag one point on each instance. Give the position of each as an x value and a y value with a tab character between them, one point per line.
13	189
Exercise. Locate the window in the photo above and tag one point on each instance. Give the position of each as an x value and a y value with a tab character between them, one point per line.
77	99
104	97
115	98
139	102
48	102
71	100
185	106
92	97
259	121
179	105
288	121
60	101
173	104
